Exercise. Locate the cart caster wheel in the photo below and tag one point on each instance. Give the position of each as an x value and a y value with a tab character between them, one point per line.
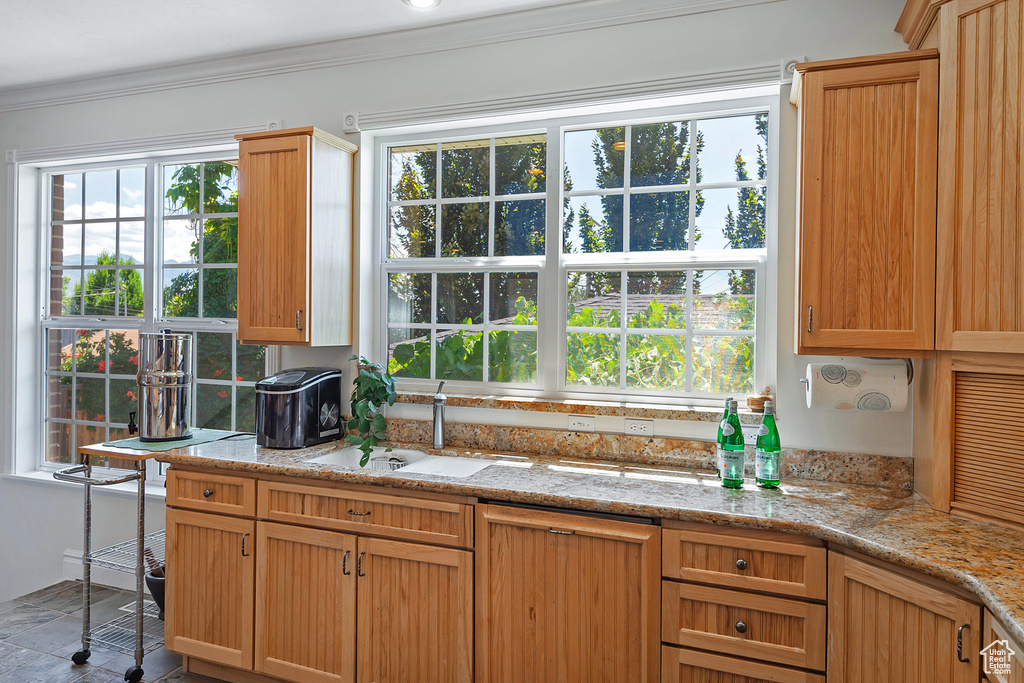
133	675
80	657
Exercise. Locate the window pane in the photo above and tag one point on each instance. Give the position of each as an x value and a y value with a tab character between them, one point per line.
594	159
245	409
132	242
659	221
409	352
220	186
66	244
251	362
592	360
101	194
124	398
519	228
220	240
100	243
595	299
464	229
220	293
592	225
723	299
90	399
181	292
66	197
460	298
71	292
409	298
732	148
59	442
124	352
213	406
181	190
731	218
59	345
99	292
520	164
411	231
656	362
660	155
213	355
460	355
513	298
58	397
465	168
90	351
133	192
180	241
513	356
412	172
656	299
723	364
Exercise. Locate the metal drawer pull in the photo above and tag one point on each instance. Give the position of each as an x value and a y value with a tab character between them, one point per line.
359	564
741	627
960	644
244	554
741	564
559	531
344	563
359	514
298	326
207	493
810	317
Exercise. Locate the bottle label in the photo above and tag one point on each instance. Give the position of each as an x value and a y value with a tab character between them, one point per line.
732	464
727	429
762	430
719	459
768	465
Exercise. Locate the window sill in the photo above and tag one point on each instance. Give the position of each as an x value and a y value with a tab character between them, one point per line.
575	407
45	478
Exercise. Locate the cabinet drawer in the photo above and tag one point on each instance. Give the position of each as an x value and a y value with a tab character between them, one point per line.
679	665
739	559
221	493
744	624
1007	670
413	519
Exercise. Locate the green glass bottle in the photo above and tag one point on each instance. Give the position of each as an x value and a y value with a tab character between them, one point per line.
719	451
732	445
769	451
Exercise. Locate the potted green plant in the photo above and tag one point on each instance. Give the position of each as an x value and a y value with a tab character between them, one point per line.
372	388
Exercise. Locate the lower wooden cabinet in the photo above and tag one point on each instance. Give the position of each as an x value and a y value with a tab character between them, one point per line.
680	665
210	579
565	598
884	626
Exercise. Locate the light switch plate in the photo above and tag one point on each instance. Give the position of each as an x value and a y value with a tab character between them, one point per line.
582	423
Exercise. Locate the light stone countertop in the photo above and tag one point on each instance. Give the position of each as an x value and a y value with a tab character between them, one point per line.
895	525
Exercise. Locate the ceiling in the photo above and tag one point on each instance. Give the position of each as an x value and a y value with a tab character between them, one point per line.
58	40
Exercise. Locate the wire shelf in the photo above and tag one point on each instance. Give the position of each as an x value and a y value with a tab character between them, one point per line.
123	557
119	634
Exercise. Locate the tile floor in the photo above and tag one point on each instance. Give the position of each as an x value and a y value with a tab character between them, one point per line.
40	631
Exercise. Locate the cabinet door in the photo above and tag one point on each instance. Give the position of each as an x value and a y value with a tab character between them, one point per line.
210	580
415	613
566	598
981	178
273	240
305	604
884	626
867	217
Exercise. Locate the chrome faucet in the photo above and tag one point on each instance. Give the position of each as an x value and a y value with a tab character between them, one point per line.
439	401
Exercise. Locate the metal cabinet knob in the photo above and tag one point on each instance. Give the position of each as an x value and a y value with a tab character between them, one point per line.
207	493
741	627
741	564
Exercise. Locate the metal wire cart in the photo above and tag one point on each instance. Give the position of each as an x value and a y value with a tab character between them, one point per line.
136	633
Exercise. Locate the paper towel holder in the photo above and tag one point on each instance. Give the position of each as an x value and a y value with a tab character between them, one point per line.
908	361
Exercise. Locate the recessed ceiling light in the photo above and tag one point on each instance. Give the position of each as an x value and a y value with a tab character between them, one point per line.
422	4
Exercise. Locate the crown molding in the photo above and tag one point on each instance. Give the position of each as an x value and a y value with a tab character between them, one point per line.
916	20
583	15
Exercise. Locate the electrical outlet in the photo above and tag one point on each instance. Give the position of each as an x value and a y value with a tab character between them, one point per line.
639	426
749	434
581	423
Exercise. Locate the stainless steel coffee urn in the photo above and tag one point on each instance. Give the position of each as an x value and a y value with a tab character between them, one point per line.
165	385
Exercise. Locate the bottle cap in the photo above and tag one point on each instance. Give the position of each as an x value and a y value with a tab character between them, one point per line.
769	408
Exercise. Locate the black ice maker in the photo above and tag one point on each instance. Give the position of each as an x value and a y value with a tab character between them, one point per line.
299	407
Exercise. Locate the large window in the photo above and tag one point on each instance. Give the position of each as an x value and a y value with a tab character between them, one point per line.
581	258
141	248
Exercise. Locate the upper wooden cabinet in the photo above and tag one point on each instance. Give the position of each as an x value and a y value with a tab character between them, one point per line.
981	177
295	238
868	136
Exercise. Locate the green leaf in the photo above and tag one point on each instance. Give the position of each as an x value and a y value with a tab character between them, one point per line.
379	423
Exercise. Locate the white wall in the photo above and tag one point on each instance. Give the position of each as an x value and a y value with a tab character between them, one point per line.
37	523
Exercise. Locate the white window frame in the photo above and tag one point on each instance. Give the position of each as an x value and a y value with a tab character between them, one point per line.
554	265
152	319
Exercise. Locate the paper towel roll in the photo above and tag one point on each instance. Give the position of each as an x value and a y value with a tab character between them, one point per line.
865	385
